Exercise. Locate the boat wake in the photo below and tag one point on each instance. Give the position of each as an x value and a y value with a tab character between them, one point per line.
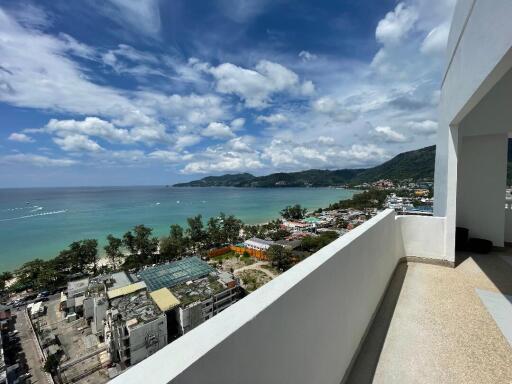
35	215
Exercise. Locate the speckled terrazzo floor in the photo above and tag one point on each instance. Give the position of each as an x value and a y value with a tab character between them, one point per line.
433	327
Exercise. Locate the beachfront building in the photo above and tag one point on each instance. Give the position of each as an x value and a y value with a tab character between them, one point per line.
392	301
258	244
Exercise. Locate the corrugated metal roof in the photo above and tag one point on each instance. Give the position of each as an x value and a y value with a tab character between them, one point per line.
164	299
126	290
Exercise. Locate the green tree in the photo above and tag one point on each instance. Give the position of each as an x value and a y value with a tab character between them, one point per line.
196	232
231	227
280	257
295	212
215	231
84	253
142	245
113	249
174	245
280	234
37	274
129	242
51	364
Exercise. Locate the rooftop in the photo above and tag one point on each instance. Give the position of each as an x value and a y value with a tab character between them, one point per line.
77	287
164	299
136	308
126	290
171	274
198	290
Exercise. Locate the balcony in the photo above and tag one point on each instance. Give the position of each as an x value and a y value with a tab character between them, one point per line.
309	324
442	325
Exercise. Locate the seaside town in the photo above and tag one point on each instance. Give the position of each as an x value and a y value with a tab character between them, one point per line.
78	318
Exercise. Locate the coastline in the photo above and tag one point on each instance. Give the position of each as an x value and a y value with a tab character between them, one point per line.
94	212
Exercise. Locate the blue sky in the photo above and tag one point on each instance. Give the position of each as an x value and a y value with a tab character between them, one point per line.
129	92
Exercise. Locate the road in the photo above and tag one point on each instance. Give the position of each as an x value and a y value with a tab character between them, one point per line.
257	266
28	343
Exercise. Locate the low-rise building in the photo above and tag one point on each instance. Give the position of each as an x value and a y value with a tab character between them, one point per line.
258	244
203	298
135	327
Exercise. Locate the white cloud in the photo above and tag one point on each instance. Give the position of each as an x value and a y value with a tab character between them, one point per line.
90	126
425	127
325	140
36	160
20	137
77	143
144	16
276	118
257	86
307	56
237	124
396	24
218	130
287	154
388	135
436	40
218	161
335	109
184	141
167	156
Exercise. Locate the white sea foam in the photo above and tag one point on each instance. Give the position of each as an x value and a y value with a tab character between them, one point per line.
35	215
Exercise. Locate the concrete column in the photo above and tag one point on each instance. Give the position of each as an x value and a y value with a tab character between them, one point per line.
445	184
482	173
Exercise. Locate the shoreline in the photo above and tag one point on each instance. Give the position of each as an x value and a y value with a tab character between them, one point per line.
158	217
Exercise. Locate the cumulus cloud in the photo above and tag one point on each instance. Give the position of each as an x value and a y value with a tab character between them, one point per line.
396	24
257	86
36	160
436	40
218	161
90	126
425	127
217	130
77	143
388	135
323	153
20	138
276	118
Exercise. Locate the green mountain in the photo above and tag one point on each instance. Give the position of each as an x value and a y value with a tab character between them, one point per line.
415	165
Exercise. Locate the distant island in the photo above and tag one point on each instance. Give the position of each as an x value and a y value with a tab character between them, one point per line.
415	165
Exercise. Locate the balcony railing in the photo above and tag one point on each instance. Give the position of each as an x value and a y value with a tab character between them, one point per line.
306	325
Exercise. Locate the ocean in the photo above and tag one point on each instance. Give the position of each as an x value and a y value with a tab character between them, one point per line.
40	222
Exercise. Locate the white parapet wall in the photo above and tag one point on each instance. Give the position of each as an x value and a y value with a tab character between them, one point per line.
422	236
303	327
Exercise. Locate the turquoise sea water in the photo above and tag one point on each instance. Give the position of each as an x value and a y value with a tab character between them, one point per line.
39	222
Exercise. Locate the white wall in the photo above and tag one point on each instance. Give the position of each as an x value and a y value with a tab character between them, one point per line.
481	186
479	55
302	327
422	236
